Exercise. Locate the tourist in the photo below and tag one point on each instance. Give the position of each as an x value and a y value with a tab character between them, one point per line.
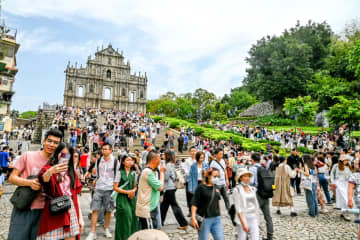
205	205
322	169
223	183
246	206
169	198
282	194
310	193
340	175
181	143
106	168
4	162
125	184
149	189
294	162
354	190
59	178
24	224
197	171
263	195
84	162
186	168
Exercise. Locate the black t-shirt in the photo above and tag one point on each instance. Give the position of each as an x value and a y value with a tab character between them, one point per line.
201	200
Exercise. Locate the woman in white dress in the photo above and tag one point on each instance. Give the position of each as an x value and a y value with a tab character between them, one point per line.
246	206
340	175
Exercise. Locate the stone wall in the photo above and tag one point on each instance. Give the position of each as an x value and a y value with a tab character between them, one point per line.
260	109
44	120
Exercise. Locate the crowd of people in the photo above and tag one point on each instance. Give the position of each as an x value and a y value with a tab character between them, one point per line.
135	177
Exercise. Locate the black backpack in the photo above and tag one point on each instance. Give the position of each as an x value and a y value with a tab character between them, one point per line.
266	180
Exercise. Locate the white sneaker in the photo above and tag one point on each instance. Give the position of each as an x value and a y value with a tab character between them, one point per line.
91	236
324	210
108	233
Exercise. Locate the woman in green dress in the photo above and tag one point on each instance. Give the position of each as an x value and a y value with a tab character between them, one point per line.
125	185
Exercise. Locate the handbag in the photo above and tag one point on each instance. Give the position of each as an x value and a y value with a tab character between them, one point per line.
23	196
60	205
307	183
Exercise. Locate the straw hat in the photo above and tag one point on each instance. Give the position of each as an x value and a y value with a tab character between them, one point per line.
150	234
345	157
240	172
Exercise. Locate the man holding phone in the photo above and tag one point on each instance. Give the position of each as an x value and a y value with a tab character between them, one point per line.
24	224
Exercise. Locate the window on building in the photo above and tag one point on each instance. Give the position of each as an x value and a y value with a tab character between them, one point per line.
107	93
109	60
123	92
80	91
108	74
70	86
132	96
141	94
91	88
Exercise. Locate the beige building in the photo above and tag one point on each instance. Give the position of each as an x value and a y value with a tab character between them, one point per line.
105	82
8	70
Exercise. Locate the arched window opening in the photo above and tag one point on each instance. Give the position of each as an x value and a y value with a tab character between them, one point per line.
107	93
141	94
70	86
108	74
80	91
123	92
91	88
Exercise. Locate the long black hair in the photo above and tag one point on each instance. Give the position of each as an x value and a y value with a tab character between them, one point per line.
122	165
55	160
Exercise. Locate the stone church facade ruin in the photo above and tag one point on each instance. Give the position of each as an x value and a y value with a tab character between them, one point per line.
105	82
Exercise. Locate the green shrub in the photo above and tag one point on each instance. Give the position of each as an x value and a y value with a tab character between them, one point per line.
191	121
274	120
157	118
207	125
273	143
305	150
174	124
198	131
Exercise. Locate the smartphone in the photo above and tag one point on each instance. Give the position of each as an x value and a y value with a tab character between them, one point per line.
64	158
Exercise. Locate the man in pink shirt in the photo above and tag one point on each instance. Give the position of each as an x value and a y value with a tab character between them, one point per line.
24	224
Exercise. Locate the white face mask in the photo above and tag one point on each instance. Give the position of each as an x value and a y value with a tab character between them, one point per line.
214	180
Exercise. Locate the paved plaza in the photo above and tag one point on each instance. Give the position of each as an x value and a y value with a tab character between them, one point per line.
325	226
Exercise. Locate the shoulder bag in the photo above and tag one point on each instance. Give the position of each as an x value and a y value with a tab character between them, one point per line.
23	196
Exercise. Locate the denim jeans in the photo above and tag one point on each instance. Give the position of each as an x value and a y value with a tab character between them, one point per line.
211	225
324	184
312	201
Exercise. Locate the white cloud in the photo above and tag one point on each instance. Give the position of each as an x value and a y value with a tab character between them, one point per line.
182	33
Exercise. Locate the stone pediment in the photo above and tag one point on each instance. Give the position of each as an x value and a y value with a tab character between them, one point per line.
109	51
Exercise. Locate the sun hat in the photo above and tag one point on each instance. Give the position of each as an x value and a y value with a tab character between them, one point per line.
345	157
240	172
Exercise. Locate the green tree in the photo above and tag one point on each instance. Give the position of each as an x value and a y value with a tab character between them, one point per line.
324	87
241	99
354	59
279	68
317	36
185	109
28	114
346	111
301	107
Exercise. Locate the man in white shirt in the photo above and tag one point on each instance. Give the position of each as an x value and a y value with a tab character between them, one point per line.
223	182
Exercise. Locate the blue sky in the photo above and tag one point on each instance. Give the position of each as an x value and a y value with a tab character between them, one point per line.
182	45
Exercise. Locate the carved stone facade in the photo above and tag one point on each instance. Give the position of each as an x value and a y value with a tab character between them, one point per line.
105	82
